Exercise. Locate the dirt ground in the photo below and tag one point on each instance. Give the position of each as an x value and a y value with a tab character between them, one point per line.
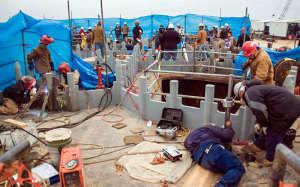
97	131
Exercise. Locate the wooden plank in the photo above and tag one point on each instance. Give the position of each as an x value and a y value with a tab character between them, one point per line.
201	177
16	123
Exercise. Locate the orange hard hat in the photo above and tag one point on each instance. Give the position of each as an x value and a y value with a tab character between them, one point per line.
99	22
46	39
64	68
29	82
137	22
248	48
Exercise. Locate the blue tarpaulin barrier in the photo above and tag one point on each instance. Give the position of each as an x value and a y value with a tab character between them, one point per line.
88	76
11	44
274	55
151	23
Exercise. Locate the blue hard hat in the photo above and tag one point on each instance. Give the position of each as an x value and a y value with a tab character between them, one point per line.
161	26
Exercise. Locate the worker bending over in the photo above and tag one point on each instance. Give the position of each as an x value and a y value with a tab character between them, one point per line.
17	94
206	145
41	57
260	64
275	110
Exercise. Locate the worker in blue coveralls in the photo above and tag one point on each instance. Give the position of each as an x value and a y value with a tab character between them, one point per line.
206	145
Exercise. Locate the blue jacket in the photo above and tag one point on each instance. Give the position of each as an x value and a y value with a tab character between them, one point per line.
203	137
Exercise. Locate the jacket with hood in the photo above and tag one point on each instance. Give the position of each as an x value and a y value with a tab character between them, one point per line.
273	106
261	67
201	37
97	35
170	39
42	60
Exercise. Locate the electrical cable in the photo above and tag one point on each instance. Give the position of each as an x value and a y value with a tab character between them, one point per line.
32	135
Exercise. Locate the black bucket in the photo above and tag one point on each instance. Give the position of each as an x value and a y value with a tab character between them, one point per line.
289	138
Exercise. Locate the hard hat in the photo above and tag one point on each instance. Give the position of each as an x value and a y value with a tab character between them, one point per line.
82	28
248	48
46	39
171	26
137	22
117	23
178	25
161	26
200	25
125	23
90	28
222	27
29	82
281	49
99	23
226	24
243	30
64	68
216	26
238	87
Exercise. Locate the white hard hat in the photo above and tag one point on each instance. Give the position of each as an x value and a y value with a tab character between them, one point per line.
238	87
216	26
125	23
222	27
90	28
82	28
200	25
171	26
226	24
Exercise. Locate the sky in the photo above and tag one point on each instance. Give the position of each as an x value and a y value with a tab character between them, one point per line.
57	9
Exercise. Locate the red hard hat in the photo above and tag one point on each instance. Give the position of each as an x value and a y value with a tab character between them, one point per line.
137	22
29	82
46	39
248	48
243	30
99	23
64	68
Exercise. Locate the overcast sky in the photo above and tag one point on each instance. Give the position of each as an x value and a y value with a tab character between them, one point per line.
57	9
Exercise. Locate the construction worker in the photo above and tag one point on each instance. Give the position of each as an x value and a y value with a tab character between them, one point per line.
260	64
99	38
240	41
222	33
201	40
170	39
63	69
158	38
275	110
125	31
206	145
228	29
41	57
118	32
17	94
180	30
81	32
89	39
137	33
214	31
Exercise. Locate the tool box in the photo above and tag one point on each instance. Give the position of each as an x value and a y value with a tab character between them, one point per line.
170	123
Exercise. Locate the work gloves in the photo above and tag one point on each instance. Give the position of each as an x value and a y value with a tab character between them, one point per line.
30	66
52	66
260	130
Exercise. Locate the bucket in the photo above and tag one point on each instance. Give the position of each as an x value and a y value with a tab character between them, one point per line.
289	138
56	140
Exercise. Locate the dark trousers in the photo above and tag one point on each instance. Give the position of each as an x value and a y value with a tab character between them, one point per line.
220	160
125	35
271	140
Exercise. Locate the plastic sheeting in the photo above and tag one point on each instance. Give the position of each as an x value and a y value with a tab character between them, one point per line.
11	44
274	55
151	23
88	76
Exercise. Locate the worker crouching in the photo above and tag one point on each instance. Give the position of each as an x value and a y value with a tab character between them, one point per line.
206	145
275	110
17	94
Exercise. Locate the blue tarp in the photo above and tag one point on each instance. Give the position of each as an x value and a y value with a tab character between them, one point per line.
151	23
11	45
274	55
88	76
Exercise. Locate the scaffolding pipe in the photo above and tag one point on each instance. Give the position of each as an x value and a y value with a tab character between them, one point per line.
227	102
24	53
192	97
104	37
173	65
283	156
9	155
246	16
193	73
209	52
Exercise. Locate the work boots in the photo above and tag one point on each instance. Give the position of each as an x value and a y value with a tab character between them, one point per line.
264	162
251	148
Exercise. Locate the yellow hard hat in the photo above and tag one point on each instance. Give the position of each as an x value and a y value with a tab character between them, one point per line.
125	23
